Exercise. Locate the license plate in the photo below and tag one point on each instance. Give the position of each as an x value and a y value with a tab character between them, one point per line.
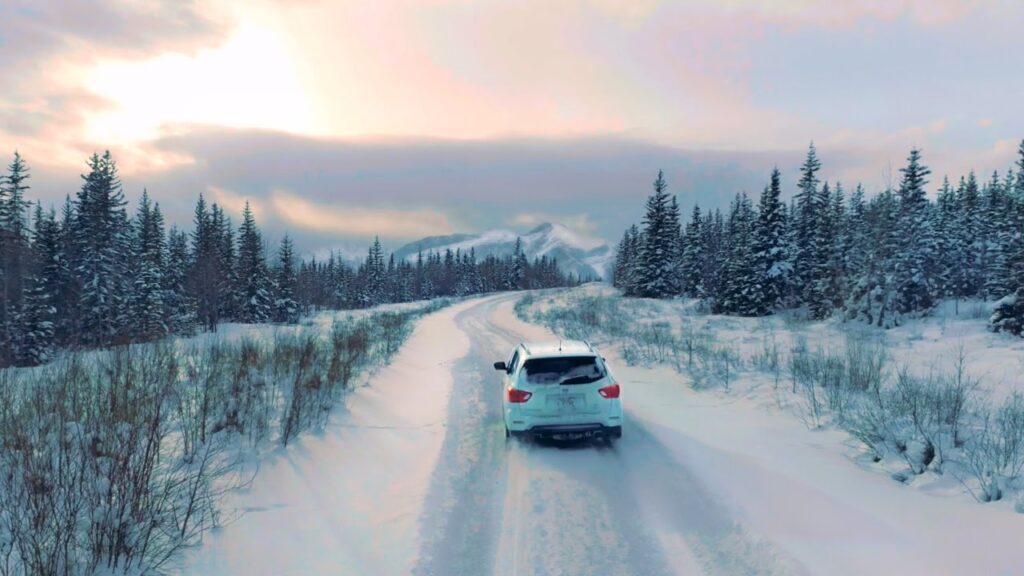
570	403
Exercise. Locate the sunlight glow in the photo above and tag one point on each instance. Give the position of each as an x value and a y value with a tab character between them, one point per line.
249	82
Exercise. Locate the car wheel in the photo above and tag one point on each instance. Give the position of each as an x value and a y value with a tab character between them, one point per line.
507	433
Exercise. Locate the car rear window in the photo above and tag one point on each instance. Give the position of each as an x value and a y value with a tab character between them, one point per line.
563	370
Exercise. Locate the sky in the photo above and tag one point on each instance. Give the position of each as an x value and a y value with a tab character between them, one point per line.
341	120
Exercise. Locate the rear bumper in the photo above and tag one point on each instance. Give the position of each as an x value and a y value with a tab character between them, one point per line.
588	430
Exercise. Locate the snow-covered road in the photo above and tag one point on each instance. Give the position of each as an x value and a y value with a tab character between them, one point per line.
415	476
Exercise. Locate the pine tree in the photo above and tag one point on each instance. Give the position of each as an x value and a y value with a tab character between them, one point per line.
999	231
517	271
226	280
37	319
914	270
1008	315
15	256
374	275
822	290
692	259
856	243
147	297
204	269
741	280
102	252
773	266
286	308
805	226
674	247
179	305
253	276
623	263
656	258
971	229
873	296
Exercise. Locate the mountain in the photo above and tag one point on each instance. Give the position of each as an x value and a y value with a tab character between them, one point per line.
584	256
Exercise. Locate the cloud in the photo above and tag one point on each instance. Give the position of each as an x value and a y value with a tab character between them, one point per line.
358	220
234	203
47	48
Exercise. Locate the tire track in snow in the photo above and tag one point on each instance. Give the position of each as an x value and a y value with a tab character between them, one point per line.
463	509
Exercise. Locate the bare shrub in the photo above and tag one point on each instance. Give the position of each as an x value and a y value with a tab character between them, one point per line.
113	461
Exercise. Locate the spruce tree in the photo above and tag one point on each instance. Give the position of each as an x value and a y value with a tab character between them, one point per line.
822	291
656	263
102	253
692	259
15	256
253	277
286	308
773	266
38	315
179	304
204	273
914	269
873	296
741	280
147	297
805	225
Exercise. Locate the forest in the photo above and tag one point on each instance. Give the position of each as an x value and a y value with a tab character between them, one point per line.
879	260
93	276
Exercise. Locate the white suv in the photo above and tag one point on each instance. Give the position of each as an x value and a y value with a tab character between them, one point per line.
559	390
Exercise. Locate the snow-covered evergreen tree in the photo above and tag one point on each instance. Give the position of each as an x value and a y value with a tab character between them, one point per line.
253	276
38	315
999	231
873	296
692	258
374	275
225	280
656	262
15	257
203	271
179	304
102	253
1008	315
285	306
146	303
773	265
914	266
805	226
821	257
741	279
517	272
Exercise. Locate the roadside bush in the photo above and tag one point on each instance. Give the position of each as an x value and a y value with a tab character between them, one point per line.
935	422
112	461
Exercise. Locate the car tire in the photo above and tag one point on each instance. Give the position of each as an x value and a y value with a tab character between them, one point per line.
507	433
615	432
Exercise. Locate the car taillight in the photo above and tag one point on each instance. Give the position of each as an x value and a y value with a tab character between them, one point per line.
517	396
609	391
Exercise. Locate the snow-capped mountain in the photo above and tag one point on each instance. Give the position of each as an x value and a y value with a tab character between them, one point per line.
582	255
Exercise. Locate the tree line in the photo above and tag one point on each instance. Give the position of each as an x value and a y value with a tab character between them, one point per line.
879	260
94	276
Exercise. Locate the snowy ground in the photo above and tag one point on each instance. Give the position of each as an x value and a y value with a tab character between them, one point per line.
415	476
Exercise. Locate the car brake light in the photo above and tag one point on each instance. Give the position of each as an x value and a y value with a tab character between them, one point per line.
609	391
517	396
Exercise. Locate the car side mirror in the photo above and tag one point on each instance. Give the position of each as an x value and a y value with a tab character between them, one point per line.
500	366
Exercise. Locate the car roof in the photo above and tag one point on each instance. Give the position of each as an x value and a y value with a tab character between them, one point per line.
558	348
